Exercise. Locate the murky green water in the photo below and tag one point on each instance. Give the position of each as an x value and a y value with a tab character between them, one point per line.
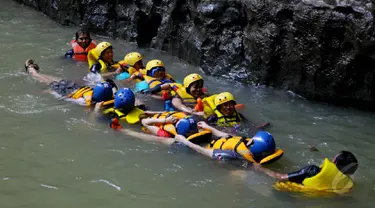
54	155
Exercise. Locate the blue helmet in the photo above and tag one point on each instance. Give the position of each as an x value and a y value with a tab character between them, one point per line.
102	92
186	126
124	99
264	145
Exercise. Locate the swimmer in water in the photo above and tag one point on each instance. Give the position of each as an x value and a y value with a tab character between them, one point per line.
333	175
72	91
81	46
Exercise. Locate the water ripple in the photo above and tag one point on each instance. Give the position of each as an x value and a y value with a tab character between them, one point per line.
108	183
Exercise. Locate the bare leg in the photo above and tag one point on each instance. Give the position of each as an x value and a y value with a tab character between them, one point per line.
33	71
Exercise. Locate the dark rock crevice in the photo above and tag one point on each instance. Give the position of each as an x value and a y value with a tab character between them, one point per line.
323	50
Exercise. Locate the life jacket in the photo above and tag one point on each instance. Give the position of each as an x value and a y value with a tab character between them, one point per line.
86	94
153	82
80	54
201	137
92	59
210	108
132	117
238	144
329	180
187	99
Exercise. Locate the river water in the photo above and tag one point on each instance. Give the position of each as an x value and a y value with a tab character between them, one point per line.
53	154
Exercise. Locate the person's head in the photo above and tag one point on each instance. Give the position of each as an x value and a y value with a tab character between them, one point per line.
155	68
102	92
134	59
83	38
262	146
186	126
346	162
104	51
124	100
194	85
225	103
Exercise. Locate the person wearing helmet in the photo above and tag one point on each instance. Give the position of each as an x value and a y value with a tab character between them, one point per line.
155	77
125	107
81	46
134	61
221	109
101	61
332	176
71	91
261	148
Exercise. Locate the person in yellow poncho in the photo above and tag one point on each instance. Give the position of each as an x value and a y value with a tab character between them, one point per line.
332	176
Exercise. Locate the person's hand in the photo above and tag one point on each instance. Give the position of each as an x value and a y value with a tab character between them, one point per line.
203	125
171	119
98	106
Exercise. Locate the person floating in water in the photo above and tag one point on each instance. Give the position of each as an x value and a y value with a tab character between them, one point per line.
81	46
71	91
332	176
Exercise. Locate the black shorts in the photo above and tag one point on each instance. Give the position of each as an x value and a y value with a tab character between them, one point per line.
64	87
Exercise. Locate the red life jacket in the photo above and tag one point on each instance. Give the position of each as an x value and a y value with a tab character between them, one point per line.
80	54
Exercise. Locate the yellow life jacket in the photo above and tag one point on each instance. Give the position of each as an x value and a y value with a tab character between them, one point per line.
92	59
201	137
238	144
86	94
132	117
328	180
210	108
187	99
209	105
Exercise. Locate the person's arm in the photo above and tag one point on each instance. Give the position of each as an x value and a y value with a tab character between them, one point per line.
69	54
153	112
147	137
214	131
96	69
197	148
177	103
275	175
296	177
111	74
115	124
156	89
148	123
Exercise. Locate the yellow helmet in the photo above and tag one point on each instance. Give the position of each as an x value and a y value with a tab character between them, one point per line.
191	78
153	63
223	98
101	47
132	58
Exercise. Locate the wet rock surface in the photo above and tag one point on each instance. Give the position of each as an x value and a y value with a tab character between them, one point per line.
323	50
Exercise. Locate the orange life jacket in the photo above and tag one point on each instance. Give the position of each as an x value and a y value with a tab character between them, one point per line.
80	54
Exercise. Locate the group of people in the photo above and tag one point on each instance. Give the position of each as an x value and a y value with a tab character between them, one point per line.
191	118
